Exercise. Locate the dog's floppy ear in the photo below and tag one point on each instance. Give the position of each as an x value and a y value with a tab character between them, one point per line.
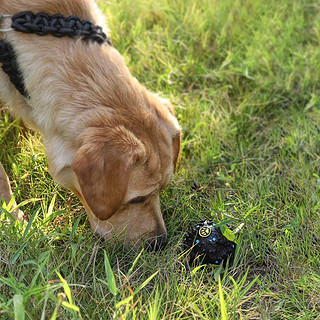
103	165
176	140
176	146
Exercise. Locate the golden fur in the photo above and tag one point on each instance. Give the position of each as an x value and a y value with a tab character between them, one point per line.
107	138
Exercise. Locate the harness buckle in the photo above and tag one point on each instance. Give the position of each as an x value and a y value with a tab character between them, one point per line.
2	17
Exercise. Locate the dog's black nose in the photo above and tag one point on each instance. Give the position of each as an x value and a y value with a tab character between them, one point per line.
156	243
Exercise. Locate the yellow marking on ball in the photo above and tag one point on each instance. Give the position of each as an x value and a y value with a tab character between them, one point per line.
205	232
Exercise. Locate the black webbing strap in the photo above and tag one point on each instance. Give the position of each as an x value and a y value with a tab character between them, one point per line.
43	24
10	66
58	26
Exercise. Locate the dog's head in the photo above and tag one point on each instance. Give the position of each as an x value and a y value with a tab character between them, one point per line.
122	167
114	143
107	138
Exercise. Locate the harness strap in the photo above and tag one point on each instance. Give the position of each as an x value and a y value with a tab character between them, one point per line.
10	66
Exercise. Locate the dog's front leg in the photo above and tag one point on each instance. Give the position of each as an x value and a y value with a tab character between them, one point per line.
6	193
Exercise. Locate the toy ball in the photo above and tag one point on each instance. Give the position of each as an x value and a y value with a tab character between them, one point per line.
206	242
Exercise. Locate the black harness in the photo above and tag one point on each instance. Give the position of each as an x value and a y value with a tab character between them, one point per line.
43	24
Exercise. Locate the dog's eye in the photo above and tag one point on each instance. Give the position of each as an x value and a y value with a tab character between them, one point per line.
137	200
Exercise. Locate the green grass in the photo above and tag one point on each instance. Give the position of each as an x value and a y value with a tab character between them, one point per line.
244	76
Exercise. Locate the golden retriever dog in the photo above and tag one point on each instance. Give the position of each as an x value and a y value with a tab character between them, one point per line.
107	138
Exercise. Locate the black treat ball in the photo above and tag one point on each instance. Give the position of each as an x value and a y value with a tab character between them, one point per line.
208	243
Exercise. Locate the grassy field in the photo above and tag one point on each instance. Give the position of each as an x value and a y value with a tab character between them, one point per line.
244	76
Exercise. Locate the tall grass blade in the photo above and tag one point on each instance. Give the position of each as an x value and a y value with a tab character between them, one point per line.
146	282
35	213
111	282
19	312
51	206
224	315
134	263
17	254
66	287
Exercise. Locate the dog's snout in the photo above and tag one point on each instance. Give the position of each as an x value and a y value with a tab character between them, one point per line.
156	243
